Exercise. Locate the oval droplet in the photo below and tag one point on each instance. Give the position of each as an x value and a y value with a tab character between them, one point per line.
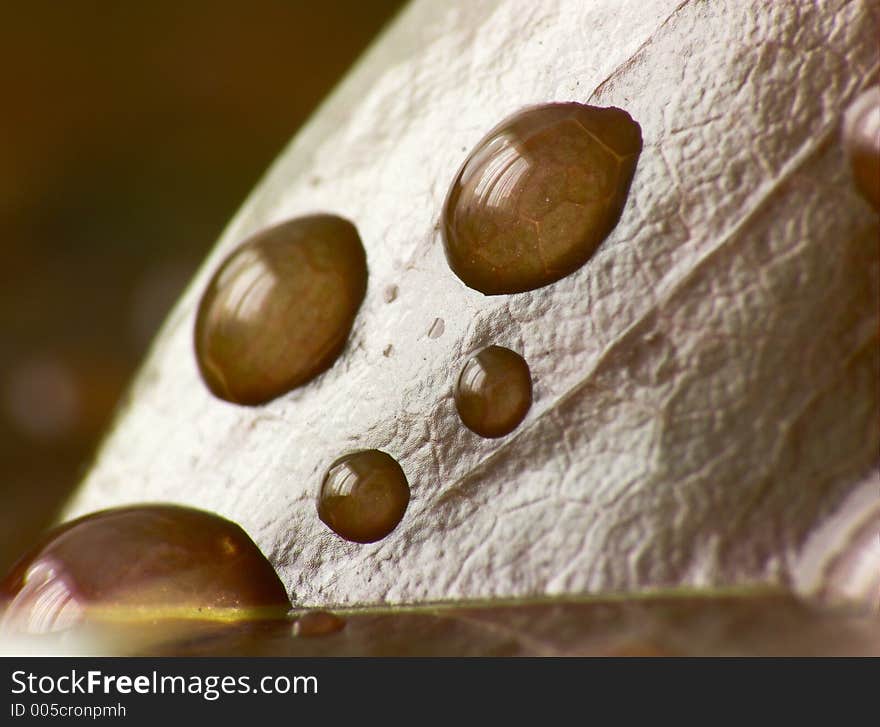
140	563
318	623
279	310
364	496
494	392
538	194
861	136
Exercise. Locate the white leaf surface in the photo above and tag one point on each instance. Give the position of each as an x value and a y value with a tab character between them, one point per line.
706	389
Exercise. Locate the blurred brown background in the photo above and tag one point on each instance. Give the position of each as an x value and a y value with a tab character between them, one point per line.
130	133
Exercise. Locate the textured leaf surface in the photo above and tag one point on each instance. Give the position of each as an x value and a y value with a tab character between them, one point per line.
705	389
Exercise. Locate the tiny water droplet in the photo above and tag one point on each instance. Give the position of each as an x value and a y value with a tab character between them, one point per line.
364	496
318	623
538	194
437	328
861	137
494	392
390	294
280	308
142	563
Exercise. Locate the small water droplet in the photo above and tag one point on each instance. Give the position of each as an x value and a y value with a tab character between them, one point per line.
280	308
140	563
364	496
494	392
538	194
390	294
318	623
437	328
861	137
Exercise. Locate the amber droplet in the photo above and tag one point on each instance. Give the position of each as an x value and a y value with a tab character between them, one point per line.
861	136
364	496
494	391
144	563
280	308
538	194
318	623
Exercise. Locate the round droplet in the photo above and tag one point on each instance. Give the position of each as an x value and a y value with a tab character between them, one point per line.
280	308
538	194
364	496
140	563
861	135
494	392
318	623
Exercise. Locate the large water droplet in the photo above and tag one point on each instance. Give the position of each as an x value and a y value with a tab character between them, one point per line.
364	496
538	194
140	563
279	310
494	391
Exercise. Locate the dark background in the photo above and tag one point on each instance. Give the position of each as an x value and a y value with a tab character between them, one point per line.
130	132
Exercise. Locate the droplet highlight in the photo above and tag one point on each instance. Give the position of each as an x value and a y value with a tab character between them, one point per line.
141	563
317	623
494	392
536	197
364	496
279	310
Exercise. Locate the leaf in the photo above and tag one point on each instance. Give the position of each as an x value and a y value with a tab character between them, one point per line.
705	388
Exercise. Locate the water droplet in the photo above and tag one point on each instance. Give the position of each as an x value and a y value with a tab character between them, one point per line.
538	194
364	496
318	623
390	294
279	310
861	135
437	328
140	563
494	392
